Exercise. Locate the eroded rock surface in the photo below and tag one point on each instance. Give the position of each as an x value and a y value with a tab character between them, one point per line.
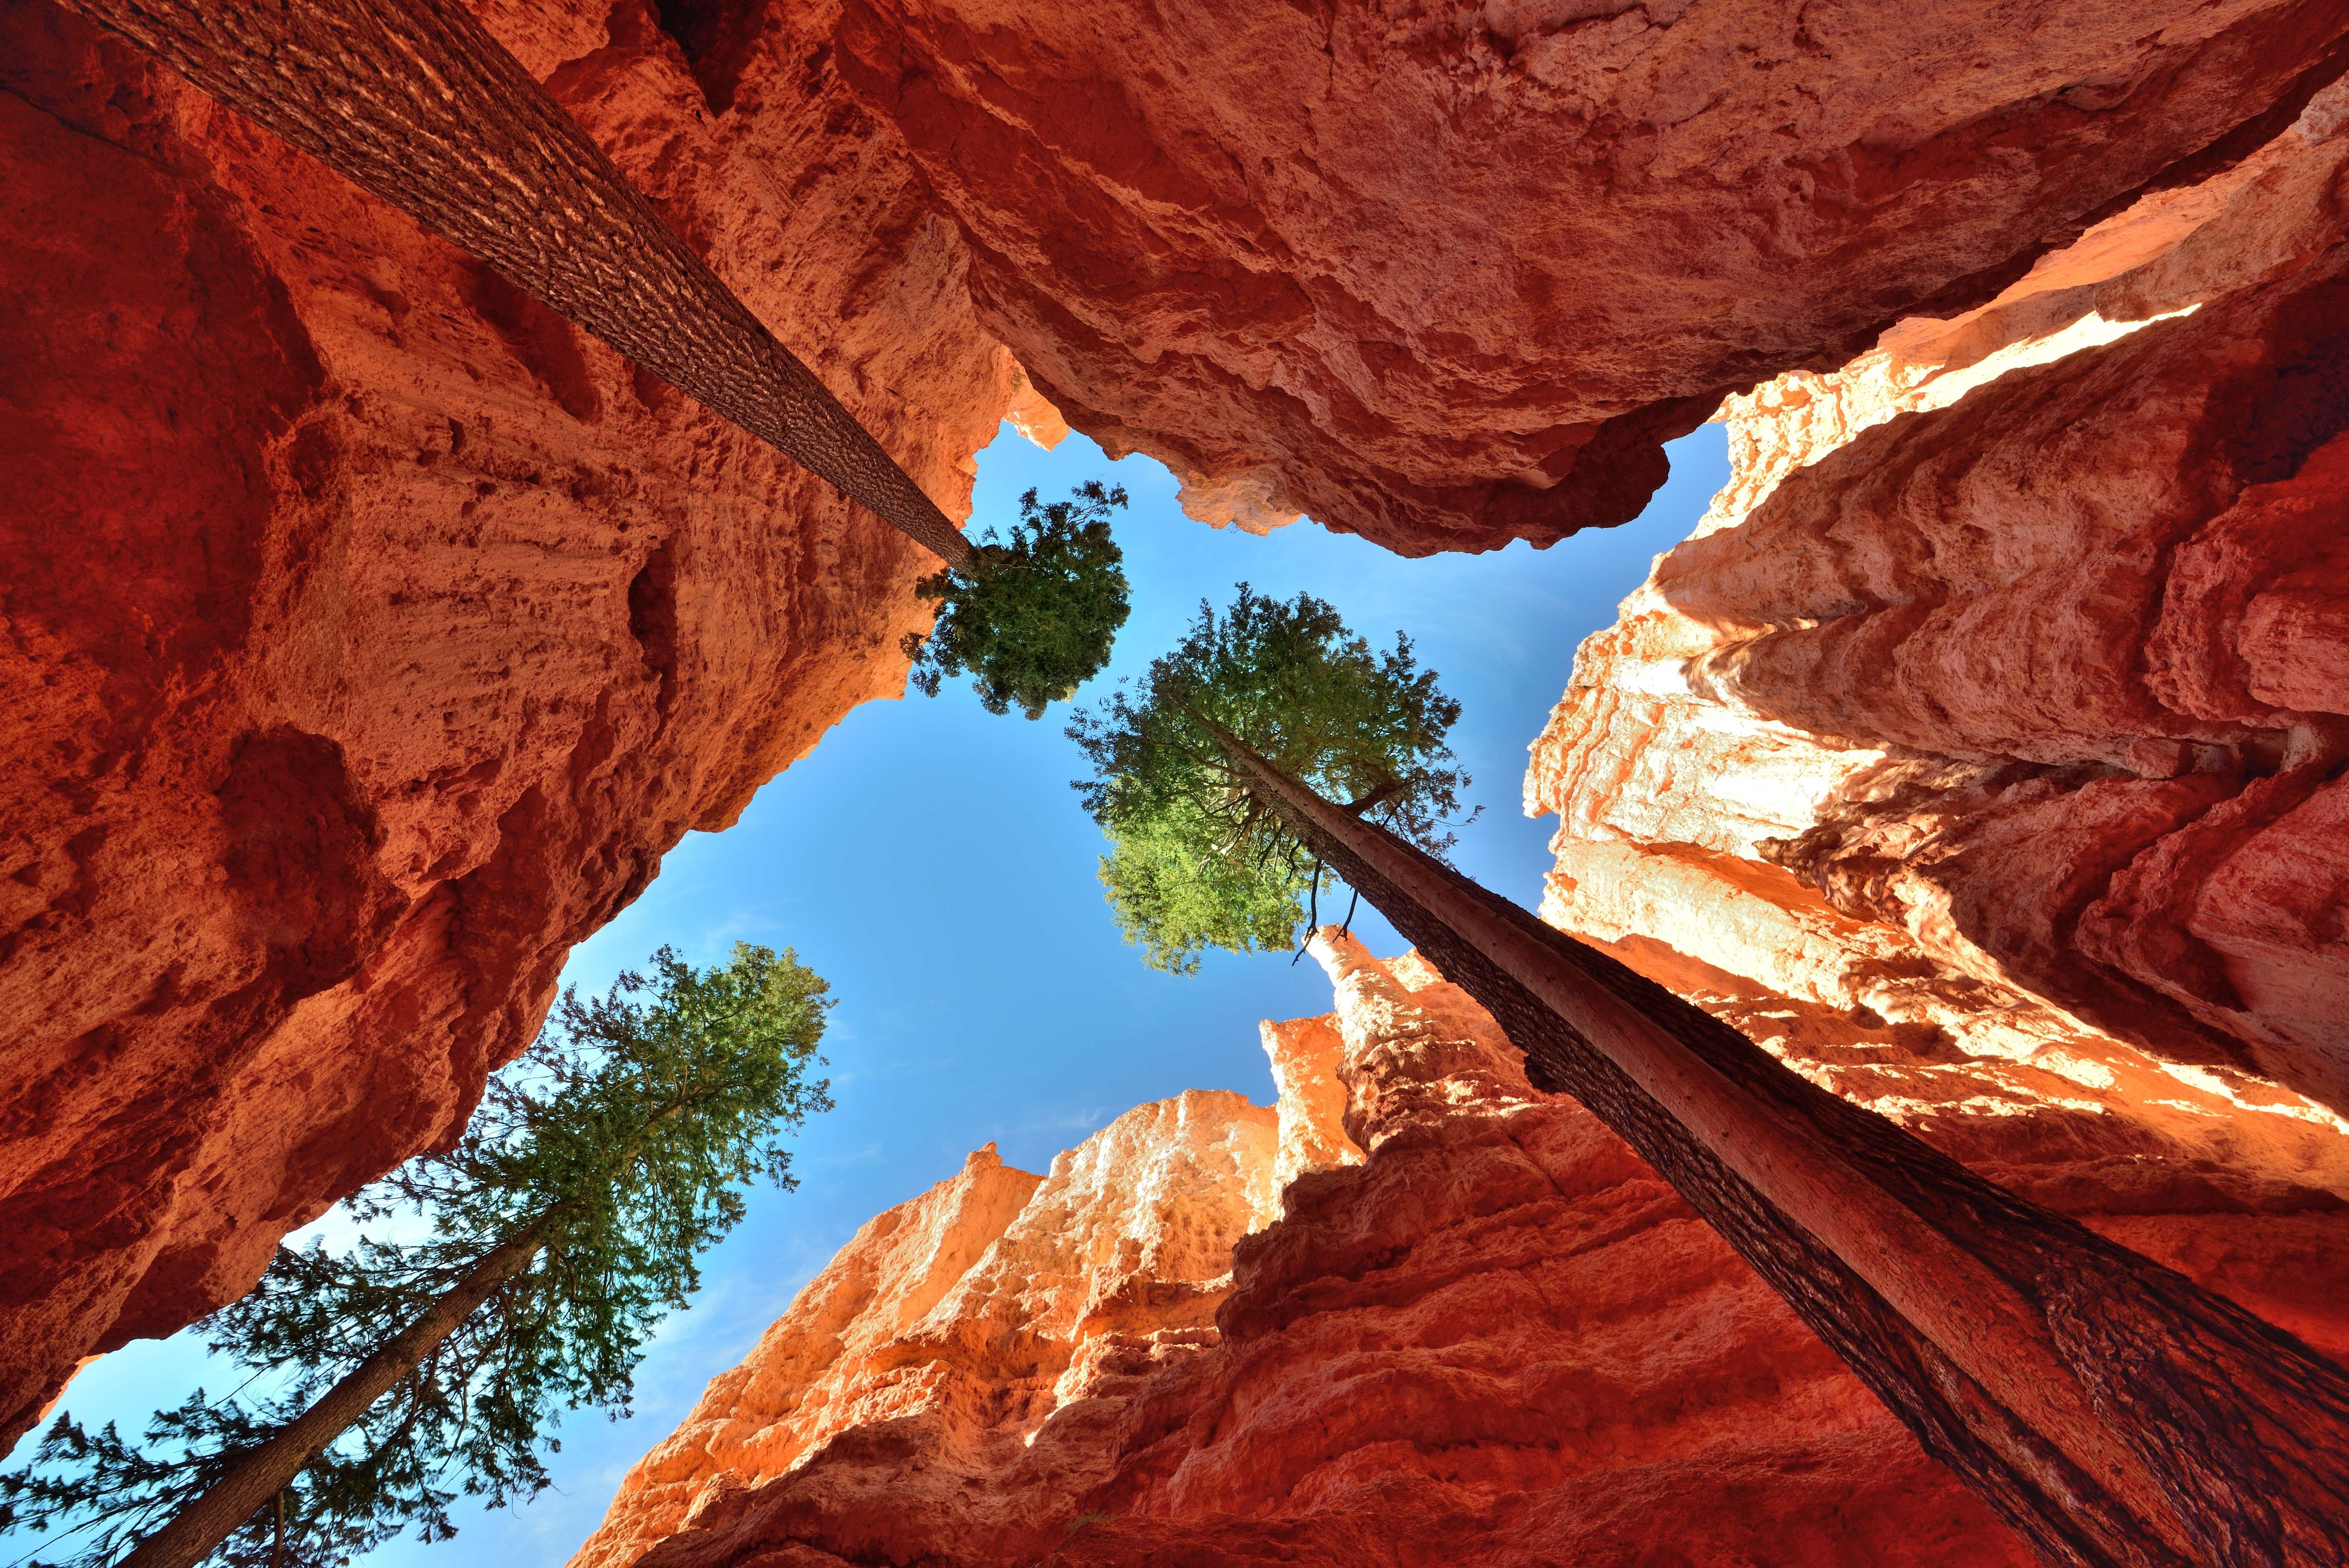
1475	1328
953	1327
2000	696
1446	272
369	633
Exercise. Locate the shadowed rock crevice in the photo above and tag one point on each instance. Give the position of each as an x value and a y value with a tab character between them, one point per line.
717	37
545	342
652	619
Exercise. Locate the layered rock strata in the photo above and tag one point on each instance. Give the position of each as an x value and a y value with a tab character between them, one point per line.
1472	1325
2000	698
371	634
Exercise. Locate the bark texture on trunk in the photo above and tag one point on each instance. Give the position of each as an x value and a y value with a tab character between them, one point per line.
2111	1410
268	1470
414	101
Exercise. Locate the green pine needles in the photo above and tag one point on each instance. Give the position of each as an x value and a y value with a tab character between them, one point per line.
1031	620
569	1217
1197	861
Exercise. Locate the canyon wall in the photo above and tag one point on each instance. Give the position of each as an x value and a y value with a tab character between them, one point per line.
1447	273
2001	694
957	1325
371	634
1978	755
1470	1326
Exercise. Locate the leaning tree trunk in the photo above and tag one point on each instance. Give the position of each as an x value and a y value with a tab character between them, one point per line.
2108	1409
213	1515
414	101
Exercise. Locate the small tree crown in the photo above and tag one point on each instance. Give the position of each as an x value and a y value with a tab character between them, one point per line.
1197	859
1031	617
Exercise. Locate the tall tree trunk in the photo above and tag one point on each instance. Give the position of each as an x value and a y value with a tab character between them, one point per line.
268	1470
414	101
2110	1410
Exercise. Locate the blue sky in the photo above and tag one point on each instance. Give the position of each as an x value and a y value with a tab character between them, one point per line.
929	859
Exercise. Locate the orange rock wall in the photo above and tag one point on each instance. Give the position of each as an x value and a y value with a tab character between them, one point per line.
1972	757
2000	692
369	633
955	1326
1476	1327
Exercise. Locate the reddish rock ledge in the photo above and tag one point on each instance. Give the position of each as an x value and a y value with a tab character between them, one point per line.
1473	1326
1447	273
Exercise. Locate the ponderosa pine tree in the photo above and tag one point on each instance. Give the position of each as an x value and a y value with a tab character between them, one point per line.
2112	1411
563	1228
1031	617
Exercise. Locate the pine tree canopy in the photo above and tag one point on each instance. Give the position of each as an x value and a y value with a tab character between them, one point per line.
1031	620
614	1150
1197	859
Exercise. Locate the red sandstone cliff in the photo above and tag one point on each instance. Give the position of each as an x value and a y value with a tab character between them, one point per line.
370	634
2001	695
1975	757
955	1325
1473	1326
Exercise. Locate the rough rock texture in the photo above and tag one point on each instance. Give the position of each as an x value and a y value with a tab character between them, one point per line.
1305	1054
956	1324
2001	694
1031	415
1479	1329
370	634
1446	272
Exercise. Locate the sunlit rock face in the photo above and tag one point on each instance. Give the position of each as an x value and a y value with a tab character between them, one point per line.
915	1371
371	634
1447	271
1999	702
1474	1327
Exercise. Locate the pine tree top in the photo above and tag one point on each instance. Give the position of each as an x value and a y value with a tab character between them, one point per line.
1197	860
1031	617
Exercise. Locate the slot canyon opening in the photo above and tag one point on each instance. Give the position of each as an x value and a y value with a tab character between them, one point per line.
1963	722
